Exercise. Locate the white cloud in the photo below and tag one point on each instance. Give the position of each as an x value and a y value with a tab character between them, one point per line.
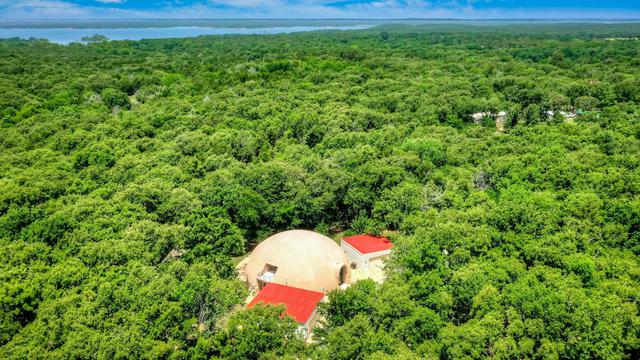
112	1
248	3
30	9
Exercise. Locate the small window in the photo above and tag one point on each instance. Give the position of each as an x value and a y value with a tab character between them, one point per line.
267	275
270	268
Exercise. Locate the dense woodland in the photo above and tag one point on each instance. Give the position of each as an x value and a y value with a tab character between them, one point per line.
511	244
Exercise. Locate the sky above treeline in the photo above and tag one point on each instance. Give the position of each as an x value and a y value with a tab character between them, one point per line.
318	9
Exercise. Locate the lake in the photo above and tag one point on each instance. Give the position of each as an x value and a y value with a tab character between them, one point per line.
68	31
71	34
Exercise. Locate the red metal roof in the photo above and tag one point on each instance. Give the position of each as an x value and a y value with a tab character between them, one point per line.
300	303
366	244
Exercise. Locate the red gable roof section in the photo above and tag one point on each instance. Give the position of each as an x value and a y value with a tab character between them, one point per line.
300	303
366	244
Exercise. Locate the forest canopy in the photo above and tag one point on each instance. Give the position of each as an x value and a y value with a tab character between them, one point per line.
517	235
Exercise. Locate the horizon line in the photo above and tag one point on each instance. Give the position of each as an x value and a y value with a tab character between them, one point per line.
334	19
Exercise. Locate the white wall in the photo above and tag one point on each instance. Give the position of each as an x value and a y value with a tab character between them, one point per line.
377	254
362	260
373	256
353	254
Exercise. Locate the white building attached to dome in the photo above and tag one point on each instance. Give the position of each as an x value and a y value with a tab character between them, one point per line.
298	258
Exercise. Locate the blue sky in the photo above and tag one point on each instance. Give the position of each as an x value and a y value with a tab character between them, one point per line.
185	9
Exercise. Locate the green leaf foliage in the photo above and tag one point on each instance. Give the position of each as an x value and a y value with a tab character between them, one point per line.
131	172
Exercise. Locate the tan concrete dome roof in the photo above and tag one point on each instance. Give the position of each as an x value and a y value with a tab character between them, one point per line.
298	258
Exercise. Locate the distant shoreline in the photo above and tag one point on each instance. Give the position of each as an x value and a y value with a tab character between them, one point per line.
257	23
67	35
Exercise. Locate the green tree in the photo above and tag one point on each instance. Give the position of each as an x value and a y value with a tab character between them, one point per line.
249	334
113	98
